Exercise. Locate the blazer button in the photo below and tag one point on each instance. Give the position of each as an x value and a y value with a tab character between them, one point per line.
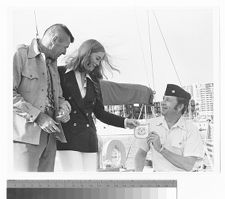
75	112
86	114
69	98
75	124
87	125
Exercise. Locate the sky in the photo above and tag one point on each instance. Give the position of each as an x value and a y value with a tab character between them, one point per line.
132	38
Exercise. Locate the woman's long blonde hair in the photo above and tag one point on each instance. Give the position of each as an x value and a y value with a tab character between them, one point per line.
78	59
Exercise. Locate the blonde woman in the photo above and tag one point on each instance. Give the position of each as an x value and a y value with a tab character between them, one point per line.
80	84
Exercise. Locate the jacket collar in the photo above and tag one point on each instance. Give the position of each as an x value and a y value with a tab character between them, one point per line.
73	87
87	75
33	50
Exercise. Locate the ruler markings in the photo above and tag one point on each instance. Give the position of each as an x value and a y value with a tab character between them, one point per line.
89	183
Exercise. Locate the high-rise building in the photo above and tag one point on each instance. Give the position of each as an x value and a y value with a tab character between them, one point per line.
206	92
202	94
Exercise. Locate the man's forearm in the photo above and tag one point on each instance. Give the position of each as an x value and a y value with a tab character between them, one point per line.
20	106
24	108
185	163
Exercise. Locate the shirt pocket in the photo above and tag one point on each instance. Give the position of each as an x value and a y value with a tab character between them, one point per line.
177	145
29	81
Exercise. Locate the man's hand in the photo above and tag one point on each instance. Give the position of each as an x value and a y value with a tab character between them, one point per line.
46	123
63	116
154	139
132	123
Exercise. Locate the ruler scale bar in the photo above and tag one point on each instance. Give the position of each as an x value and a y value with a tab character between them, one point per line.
89	183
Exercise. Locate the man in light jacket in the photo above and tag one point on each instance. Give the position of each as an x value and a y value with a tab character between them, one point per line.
38	105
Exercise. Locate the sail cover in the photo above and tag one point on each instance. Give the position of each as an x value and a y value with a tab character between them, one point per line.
122	93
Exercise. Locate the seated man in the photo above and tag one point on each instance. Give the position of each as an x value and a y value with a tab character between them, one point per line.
174	141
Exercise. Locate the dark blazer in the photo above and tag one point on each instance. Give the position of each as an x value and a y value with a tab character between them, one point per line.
80	130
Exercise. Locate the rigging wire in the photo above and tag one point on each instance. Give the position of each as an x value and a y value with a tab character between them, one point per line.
153	79
35	18
141	46
171	59
144	60
150	49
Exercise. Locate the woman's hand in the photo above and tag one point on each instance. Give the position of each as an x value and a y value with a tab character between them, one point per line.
131	123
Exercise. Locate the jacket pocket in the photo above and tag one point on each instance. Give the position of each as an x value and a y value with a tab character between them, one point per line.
29	81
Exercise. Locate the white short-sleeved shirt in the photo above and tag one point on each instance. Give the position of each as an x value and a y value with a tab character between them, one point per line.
183	139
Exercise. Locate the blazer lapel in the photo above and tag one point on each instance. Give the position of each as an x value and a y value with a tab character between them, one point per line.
73	89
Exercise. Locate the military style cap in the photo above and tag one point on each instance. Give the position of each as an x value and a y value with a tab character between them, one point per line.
174	90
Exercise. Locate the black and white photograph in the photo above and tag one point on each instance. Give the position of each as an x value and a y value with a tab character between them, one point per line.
112	92
122	90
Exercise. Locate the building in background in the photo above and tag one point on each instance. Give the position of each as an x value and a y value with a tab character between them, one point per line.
202	94
206	107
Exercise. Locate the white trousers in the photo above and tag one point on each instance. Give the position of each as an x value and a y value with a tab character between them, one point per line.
75	161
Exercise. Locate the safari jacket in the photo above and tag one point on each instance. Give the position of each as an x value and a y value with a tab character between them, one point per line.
30	91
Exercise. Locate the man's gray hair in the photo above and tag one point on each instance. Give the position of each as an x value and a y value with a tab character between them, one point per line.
55	27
